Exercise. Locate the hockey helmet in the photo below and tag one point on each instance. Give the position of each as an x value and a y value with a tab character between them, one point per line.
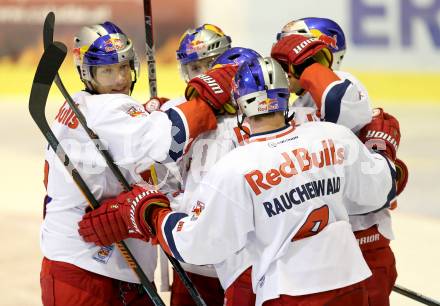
261	87
103	44
236	55
205	42
324	29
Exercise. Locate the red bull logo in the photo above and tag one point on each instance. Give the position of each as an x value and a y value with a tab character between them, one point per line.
267	105
331	41
197	210
134	112
113	44
195	46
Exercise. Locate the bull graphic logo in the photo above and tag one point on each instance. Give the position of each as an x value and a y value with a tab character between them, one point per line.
331	41
197	210
113	44
134	112
267	105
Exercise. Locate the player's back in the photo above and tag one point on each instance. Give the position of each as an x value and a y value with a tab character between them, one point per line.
296	178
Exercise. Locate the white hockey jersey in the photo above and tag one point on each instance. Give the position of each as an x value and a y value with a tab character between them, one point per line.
353	111
134	139
346	103
287	196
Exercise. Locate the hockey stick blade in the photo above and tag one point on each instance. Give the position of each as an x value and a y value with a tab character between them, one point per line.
48	29
47	69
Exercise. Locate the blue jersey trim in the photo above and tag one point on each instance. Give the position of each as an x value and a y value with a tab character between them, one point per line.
333	101
170	224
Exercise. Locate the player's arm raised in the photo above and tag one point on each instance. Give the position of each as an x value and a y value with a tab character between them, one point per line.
134	137
308	61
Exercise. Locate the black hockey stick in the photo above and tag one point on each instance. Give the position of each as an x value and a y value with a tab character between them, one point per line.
152	83
48	31
149	45
415	296
47	69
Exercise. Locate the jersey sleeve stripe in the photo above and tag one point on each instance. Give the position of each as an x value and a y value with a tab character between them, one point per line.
332	101
189	120
393	192
179	133
168	225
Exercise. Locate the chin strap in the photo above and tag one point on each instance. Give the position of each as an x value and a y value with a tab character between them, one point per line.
240	123
91	91
288	118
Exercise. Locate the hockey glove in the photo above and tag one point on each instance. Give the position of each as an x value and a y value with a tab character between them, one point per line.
401	175
121	217
382	133
214	87
296	52
154	104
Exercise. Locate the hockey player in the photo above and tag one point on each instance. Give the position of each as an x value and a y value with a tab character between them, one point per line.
205	151
199	49
75	272
286	195
373	230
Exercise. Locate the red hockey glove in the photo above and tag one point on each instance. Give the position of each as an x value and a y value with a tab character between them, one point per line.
121	217
154	104
296	52
401	175
382	133
214	87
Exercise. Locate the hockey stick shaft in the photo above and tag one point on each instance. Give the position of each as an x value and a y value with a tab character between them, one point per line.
152	83
47	37
151	61
415	296
149	45
46	71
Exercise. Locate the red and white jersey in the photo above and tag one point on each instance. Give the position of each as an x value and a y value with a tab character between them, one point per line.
286	195
134	139
353	111
205	151
345	102
172	103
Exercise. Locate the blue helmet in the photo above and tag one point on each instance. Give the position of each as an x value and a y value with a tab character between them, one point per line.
324	29
261	87
236	55
205	42
102	44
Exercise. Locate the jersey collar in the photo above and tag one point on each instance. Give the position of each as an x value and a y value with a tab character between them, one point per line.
272	134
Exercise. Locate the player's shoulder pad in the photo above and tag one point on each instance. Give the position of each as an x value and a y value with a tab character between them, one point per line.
344	75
